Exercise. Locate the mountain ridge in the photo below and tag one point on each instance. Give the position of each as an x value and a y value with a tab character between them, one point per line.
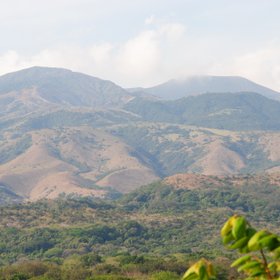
62	86
66	132
196	85
215	110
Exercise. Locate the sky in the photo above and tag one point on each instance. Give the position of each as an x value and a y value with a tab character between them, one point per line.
144	42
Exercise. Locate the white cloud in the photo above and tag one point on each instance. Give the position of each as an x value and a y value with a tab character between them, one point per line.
162	51
150	20
261	65
139	57
101	53
9	61
141	60
172	31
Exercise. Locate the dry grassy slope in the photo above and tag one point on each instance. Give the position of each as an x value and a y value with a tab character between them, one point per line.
38	173
106	159
215	157
86	160
220	159
215	152
206	151
23	102
73	160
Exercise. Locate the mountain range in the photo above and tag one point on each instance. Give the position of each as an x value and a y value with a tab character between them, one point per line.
191	86
64	132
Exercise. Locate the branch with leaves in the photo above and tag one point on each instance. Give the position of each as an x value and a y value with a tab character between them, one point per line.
261	248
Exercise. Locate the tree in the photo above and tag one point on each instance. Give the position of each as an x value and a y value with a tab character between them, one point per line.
260	249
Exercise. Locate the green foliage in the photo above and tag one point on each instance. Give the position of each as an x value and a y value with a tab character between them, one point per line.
164	275
90	259
151	145
153	220
216	110
109	277
155	229
238	234
202	270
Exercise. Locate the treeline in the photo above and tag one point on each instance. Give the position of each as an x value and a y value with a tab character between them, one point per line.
157	229
94	267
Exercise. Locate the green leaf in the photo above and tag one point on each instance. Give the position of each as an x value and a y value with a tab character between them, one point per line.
253	243
239	227
244	250
257	272
249	265
228	238
240	261
226	229
202	272
240	243
191	276
270	242
250	232
276	252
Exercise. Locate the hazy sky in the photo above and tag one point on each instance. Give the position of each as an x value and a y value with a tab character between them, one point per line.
144	42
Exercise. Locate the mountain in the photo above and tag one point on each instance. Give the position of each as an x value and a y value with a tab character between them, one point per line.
52	139
234	111
68	141
67	133
60	86
175	89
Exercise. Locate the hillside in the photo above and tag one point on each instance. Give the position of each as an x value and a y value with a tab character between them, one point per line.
164	225
197	181
68	133
60	86
235	111
111	158
175	89
77	160
178	149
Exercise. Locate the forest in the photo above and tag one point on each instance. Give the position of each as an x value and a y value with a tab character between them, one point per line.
156	232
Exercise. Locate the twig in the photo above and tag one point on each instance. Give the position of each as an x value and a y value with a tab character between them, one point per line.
266	266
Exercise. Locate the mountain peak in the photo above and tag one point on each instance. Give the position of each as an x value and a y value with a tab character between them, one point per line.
63	86
196	85
35	70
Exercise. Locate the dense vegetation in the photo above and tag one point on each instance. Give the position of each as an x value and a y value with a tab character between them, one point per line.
260	249
216	110
153	233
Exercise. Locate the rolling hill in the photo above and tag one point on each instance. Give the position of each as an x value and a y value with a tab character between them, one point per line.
65	133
